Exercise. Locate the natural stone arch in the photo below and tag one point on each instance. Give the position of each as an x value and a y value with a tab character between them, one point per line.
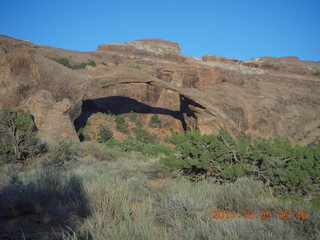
168	102
117	105
57	117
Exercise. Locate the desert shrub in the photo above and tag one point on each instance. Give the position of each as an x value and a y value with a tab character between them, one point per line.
62	152
110	199
152	170
17	139
83	134
105	134
203	154
54	201
83	65
244	194
284	167
182	208
129	145
93	150
121	124
134	117
65	62
155	122
92	63
139	124
141	134
6	154
126	204
152	138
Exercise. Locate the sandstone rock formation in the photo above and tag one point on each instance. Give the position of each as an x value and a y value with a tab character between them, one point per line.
259	97
52	118
155	48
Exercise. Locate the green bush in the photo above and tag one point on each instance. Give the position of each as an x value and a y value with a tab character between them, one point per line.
155	122
141	134
139	124
65	62
17	139
83	135
200	154
284	167
133	117
62	152
121	124
105	134
6	153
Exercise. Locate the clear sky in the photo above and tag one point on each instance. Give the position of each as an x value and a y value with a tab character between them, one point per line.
240	29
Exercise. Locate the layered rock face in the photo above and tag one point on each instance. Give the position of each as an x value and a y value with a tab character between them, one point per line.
259	97
155	48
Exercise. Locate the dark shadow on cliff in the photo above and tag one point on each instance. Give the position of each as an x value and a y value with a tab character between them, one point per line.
184	106
42	205
116	105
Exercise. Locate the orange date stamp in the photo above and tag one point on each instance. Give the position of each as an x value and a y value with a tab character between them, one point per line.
261	214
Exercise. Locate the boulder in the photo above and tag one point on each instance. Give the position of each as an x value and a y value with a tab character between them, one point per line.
51	118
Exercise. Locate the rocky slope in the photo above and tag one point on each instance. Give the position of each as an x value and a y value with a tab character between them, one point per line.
259	97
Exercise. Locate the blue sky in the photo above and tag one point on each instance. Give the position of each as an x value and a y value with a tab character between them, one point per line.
241	29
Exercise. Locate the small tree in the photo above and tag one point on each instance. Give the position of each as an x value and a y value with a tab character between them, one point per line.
105	133
17	140
141	134
121	126
284	167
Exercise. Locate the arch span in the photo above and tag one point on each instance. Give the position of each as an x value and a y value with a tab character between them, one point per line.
116	105
120	92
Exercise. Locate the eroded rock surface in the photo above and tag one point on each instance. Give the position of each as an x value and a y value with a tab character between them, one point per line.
259	97
51	118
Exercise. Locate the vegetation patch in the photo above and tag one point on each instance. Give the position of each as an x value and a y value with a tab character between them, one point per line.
155	122
288	169
105	133
119	189
83	135
121	124
129	145
18	141
65	62
42	200
61	152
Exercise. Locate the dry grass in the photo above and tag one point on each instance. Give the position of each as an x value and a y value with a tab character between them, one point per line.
40	202
128	198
